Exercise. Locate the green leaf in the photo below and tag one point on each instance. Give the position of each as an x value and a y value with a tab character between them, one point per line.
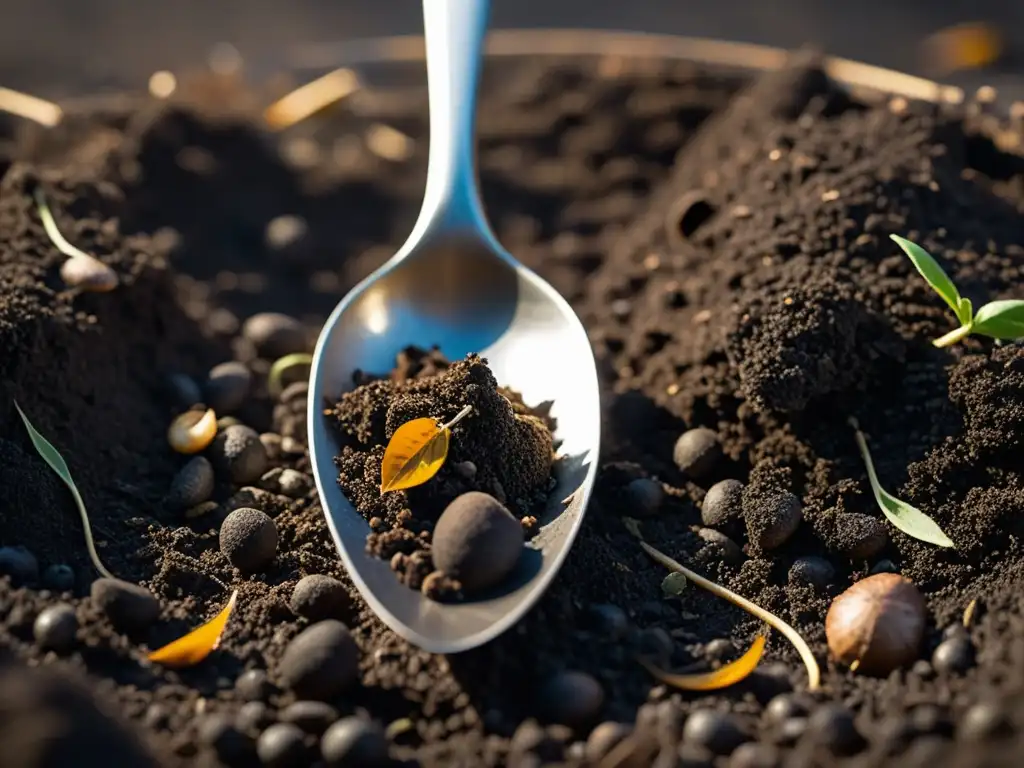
52	457
936	277
908	519
1001	320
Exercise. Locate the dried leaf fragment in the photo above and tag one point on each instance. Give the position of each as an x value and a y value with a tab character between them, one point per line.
730	674
416	452
189	650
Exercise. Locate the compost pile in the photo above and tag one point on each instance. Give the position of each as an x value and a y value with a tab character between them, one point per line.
727	248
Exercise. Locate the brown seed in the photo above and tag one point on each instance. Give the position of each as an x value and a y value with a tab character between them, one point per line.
192	431
88	274
877	624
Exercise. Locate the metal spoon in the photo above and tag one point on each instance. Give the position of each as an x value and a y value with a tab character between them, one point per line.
453	285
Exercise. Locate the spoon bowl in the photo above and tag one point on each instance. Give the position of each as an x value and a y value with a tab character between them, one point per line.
454	286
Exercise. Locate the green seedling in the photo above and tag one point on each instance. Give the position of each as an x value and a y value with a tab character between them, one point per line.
908	519
52	457
997	319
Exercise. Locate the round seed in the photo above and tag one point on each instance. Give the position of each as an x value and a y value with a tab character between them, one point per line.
696	452
248	538
227	386
88	274
319	597
723	503
55	628
321	662
275	335
192	485
239	453
477	541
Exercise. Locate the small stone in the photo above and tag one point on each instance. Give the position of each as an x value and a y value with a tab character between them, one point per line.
272	444
477	541
531	743
723	504
275	335
931	718
317	597
183	390
984	720
218	732
610	620
227	386
59	578
603	739
719	649
884	566
129	607
282	745
791	731
238	452
696	452
953	656
321	661
784	707
293	483
644	497
813	571
693	756
254	685
956	629
465	469
657	644
714	731
19	564
248	539
754	755
56	627
860	537
726	548
193	485
285	231
253	717
88	274
923	669
157	716
832	726
354	742
313	717
200	511
773	519
571	698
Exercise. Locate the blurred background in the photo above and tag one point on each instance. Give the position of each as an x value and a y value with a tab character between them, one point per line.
58	47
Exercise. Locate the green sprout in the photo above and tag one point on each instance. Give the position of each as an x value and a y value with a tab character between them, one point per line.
997	319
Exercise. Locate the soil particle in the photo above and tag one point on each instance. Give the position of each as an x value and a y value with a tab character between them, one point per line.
715	731
644	496
313	717
193	484
572	698
832	726
603	739
320	662
814	571
238	453
227	387
860	537
55	628
318	597
723	504
953	656
771	519
477	541
282	745
253	717
254	685
59	577
129	607
19	565
248	539
275	335
356	742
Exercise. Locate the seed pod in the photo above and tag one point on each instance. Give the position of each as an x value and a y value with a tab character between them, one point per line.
192	431
877	624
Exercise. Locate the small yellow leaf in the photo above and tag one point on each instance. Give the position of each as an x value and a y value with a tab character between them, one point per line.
414	455
966	46
730	674
189	650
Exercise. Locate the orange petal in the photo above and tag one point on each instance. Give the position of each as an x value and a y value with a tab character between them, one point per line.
196	645
730	674
414	454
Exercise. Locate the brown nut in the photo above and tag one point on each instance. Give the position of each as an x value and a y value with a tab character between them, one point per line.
192	431
877	624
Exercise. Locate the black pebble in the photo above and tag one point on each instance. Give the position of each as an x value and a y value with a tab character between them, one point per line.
253	717
248	538
274	335
239	454
254	685
183	390
860	537
354	743
784	707
813	571
293	483
610	620
20	564
317	597
832	726
754	755
55	628
227	387
714	731
772	519
313	717
884	566
192	485
59	578
790	731
571	698
696	452
218	732
477	541
282	745
321	661
644	497
603	739
727	549
656	644
954	656
129	607
984	720
723	504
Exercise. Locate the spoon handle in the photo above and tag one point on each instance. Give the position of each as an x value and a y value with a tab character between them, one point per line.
454	31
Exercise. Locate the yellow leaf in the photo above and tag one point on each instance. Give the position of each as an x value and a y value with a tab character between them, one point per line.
965	46
728	675
189	650
416	452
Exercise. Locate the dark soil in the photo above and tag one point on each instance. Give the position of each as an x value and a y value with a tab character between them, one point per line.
502	448
746	285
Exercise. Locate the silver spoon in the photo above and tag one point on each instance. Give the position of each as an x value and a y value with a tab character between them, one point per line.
453	285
